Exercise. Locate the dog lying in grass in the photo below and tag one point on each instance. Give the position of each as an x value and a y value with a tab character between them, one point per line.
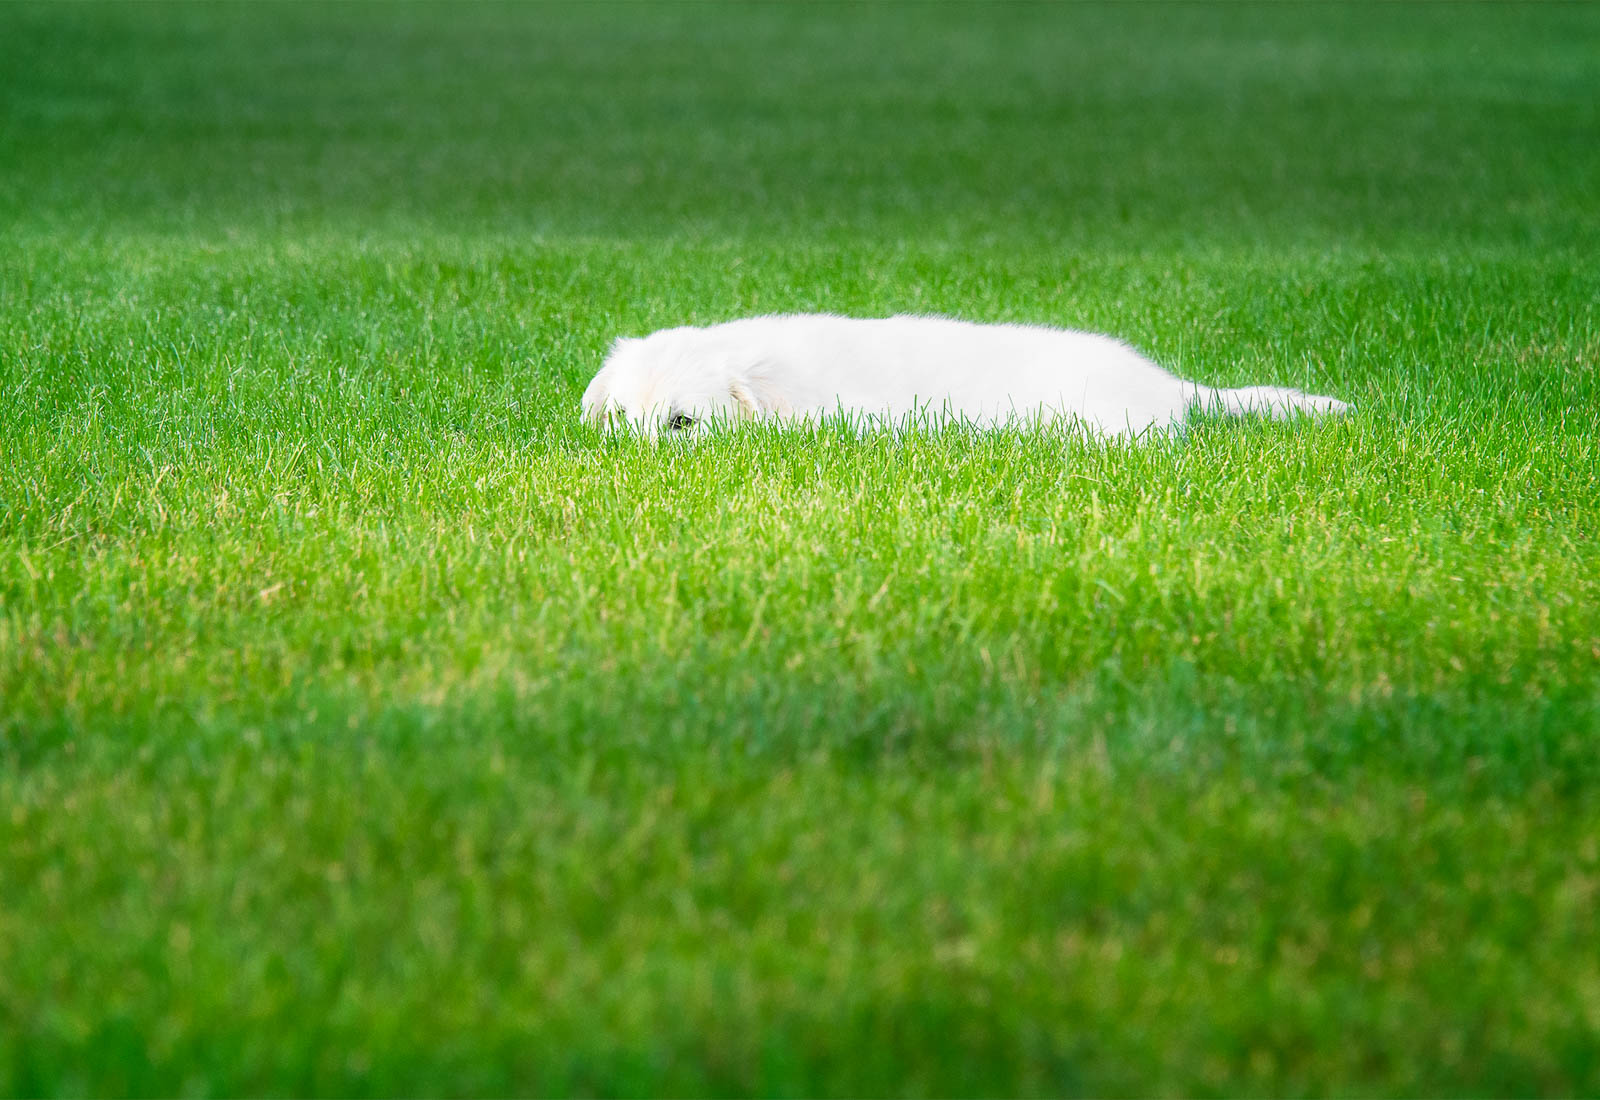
903	369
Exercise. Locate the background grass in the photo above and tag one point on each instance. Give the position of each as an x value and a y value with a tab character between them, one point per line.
367	726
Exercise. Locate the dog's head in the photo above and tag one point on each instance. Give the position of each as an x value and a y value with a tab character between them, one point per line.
677	382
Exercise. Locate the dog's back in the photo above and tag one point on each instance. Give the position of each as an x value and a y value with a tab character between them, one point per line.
988	374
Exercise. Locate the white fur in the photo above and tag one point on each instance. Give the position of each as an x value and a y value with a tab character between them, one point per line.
890	370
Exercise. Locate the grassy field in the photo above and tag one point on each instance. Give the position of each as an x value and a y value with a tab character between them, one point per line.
368	726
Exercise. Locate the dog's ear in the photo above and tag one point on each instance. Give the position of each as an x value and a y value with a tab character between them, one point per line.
758	395
594	399
599	391
749	405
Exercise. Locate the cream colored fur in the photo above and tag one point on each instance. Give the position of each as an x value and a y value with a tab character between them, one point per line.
899	369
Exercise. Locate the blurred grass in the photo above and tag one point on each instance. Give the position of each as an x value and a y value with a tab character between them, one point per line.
1138	125
367	726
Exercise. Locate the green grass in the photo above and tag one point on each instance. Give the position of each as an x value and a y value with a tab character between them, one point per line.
368	726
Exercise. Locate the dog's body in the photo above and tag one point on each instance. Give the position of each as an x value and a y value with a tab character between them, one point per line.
903	368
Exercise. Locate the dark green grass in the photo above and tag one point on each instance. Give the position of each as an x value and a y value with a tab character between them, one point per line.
368	726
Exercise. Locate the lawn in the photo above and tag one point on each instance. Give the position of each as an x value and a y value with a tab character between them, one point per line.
370	726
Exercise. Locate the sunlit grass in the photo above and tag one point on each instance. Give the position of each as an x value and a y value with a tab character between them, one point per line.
368	725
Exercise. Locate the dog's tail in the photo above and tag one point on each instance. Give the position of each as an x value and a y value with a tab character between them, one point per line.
1275	402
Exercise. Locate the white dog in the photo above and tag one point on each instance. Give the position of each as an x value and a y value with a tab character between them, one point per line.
903	368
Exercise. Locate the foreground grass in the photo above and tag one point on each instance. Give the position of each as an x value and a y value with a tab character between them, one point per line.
368	726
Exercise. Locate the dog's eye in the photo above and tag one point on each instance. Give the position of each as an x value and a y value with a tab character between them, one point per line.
677	422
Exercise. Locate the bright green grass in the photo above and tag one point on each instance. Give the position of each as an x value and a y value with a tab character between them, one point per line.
367	726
